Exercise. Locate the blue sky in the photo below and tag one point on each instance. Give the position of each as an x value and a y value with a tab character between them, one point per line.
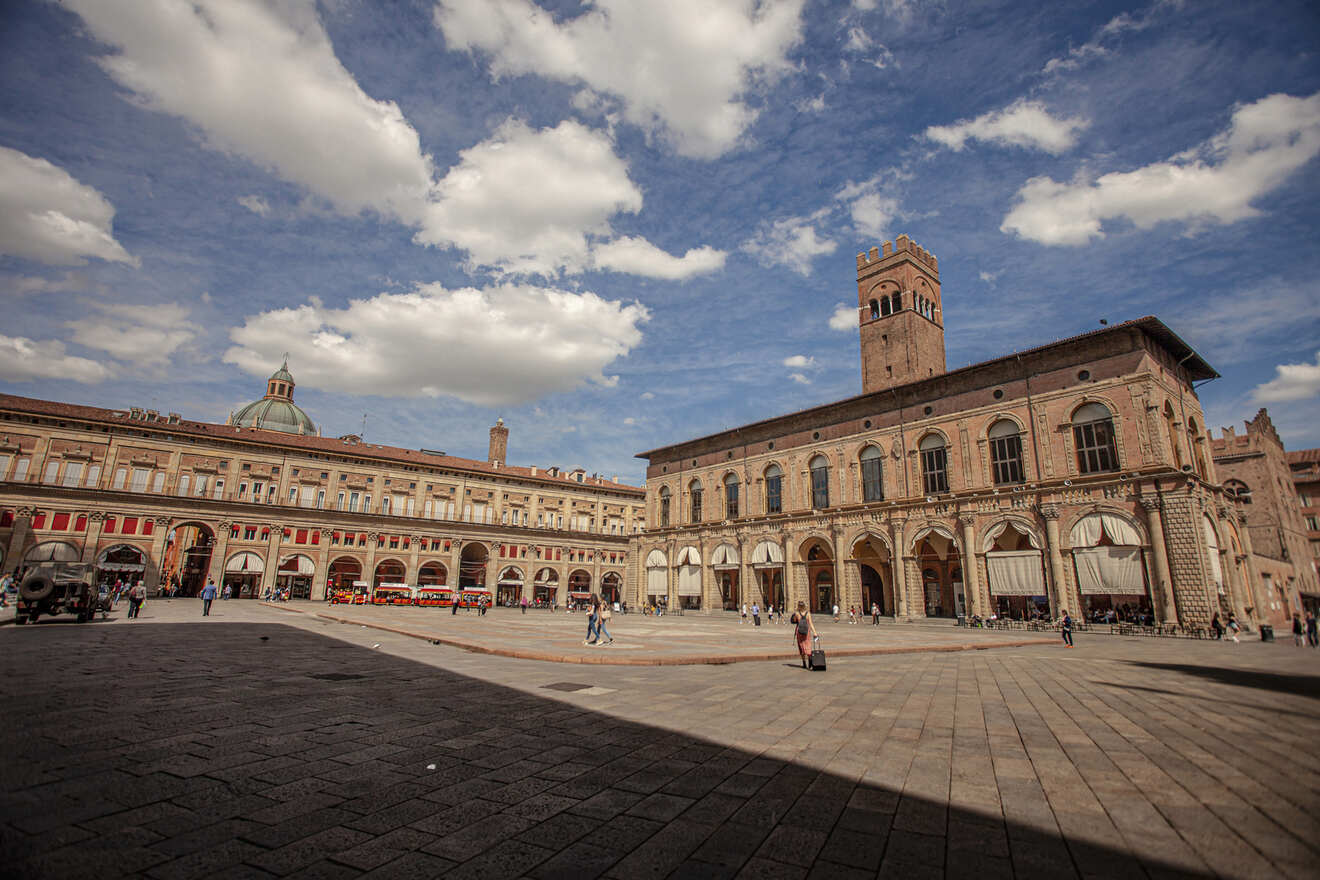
623	224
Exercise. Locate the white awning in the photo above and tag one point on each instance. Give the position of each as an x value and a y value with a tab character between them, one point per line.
767	554
1212	544
249	563
932	530
300	565
1102	570
689	556
689	580
52	551
511	577
547	577
1086	533
725	556
656	559
1016	573
1000	527
656	582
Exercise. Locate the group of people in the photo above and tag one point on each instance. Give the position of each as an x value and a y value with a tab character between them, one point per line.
1305	631
598	616
1218	628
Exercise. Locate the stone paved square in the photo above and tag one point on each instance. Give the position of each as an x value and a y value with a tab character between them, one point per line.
259	743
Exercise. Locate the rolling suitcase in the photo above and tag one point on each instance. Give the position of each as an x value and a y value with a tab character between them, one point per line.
817	659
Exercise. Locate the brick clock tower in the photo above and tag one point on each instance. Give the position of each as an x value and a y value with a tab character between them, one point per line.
900	313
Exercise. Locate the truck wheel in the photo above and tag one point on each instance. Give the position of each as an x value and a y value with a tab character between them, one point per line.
36	587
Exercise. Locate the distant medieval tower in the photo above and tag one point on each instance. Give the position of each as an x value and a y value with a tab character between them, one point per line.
499	443
900	313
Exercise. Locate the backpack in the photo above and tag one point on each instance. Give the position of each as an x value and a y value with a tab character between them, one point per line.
802	627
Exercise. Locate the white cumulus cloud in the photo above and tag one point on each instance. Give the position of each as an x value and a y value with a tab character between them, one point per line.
799	378
681	68
792	242
1021	124
255	204
637	256
146	335
844	318
23	359
1264	144
1290	382
799	361
47	216
497	346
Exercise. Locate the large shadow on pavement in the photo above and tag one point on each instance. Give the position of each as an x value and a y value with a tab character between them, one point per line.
187	750
1287	683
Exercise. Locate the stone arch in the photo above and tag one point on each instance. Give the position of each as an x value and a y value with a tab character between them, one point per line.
294	573
432	573
798	548
1106	510
986	536
472	566
611	586
919	531
995	418
344	572
188	559
389	570
52	551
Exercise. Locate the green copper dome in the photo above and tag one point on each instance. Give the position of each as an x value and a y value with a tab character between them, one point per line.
276	411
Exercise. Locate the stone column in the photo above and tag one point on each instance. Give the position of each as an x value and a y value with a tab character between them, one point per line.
492	571
369	567
272	557
898	569
1232	574
414	547
95	523
1163	580
1060	599
218	552
1259	602
971	591
151	574
916	599
17	538
322	573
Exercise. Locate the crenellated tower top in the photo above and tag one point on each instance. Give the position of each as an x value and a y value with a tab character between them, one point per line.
900	314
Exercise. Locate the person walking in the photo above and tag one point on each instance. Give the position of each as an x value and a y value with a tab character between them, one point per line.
875	614
756	614
1066	629
770	614
208	596
524	604
1312	633
1299	631
136	596
1233	628
803	631
743	619
453	604
852	615
602	631
593	615
1217	627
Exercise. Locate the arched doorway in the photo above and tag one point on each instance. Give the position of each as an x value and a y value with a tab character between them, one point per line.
545	588
579	586
121	563
1111	575
343	573
472	567
295	575
432	574
820	576
689	578
941	573
186	561
388	571
768	563
875	570
243	572
611	587
725	563
1015	568
510	587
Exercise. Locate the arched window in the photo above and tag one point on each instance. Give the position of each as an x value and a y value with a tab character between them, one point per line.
896	302
934	464
875	309
731	496
1006	452
1170	423
884	305
1196	444
1093	434
1238	490
820	483
873	488
664	507
694	492
774	489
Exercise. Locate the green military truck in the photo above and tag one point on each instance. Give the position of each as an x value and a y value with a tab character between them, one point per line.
59	588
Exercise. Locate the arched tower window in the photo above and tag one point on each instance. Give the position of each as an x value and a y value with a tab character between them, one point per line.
1006	452
896	302
694	492
875	309
885	310
934	464
820	483
731	496
774	489
1238	490
873	488
1093	435
664	507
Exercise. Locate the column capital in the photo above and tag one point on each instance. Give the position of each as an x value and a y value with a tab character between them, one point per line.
967	521
27	510
96	516
1049	511
1152	502
163	520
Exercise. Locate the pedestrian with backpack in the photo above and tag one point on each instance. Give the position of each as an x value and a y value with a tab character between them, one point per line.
803	631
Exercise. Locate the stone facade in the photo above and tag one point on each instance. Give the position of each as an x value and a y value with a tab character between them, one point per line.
1061	472
158	497
1256	474
1304	465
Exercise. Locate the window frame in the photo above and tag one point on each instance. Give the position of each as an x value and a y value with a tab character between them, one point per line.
820	482
873	484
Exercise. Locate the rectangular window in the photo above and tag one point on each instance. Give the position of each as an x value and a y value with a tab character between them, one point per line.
307	495
293	496
385	504
320	499
696	505
185	483
730	500
366	503
202	485
467	512
93	475
1096	452
820	488
270	494
218	492
158	482
52	471
21	469
340	504
353	499
1006	459
449	510
4	465
72	473
59	522
140	477
258	490
524	518
1313	523
935	470
873	488
250	533
426	511
412	506
242	491
561	523
774	499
